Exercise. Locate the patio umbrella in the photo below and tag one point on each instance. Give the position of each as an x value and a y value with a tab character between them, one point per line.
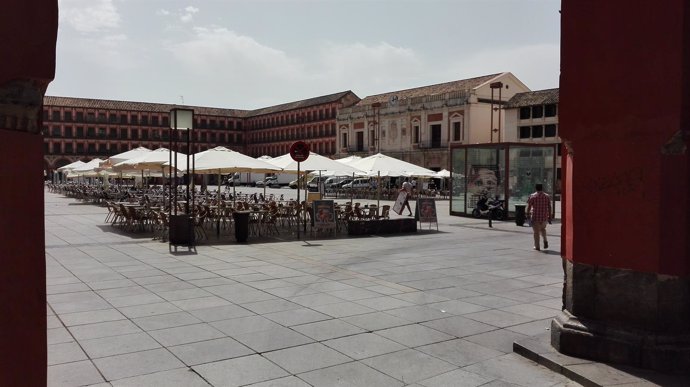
221	160
442	174
315	162
349	159
130	154
382	165
390	166
65	170
71	166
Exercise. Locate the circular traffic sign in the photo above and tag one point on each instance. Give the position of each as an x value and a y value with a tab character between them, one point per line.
299	151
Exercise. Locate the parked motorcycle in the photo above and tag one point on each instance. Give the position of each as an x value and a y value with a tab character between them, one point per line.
485	207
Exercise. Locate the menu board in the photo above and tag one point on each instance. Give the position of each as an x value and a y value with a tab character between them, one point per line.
399	202
324	214
426	209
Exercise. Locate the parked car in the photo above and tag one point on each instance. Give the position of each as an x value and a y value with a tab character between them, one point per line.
271	181
315	181
334	182
358	184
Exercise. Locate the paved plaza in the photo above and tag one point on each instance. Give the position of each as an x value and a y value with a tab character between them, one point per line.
435	308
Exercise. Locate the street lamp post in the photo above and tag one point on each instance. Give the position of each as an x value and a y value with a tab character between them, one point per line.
377	135
181	227
494	86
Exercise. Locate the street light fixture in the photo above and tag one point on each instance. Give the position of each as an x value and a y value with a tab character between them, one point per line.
181	226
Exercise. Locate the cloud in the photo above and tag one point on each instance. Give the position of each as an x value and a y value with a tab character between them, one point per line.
537	66
162	12
371	67
188	14
221	50
89	15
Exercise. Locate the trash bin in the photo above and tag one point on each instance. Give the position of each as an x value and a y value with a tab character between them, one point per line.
241	219
520	214
181	230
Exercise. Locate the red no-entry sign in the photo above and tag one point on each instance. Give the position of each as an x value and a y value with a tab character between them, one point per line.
299	151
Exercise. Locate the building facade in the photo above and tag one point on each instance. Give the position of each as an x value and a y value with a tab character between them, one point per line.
532	117
270	131
420	125
80	128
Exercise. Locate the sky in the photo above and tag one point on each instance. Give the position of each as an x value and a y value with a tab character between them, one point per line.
249	54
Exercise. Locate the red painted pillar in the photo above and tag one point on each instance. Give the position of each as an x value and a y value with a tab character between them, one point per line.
29	32
625	121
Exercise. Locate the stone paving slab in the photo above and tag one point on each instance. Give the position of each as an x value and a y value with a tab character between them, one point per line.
424	309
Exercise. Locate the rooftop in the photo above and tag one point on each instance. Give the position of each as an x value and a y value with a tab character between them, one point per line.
440	88
531	98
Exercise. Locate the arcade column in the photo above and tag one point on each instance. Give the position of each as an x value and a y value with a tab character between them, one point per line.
625	123
29	31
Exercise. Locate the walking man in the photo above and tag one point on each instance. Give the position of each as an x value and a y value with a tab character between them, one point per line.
407	188
539	212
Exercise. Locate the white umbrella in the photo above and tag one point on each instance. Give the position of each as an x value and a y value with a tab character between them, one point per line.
153	160
222	160
71	166
315	162
444	173
349	159
88	167
390	166
130	154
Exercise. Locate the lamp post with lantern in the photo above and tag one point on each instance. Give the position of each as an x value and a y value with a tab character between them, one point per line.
181	226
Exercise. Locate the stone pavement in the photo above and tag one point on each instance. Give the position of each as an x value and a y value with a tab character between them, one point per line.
429	309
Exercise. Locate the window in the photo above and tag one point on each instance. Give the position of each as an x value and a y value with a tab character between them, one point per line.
123	118
56	131
372	138
537	131
101	117
550	130
68	148
45	115
80	117
415	134
102	149
525	113
550	110
80	132
457	131
80	147
144	134
90	117
344	140
56	115
165	121
112	133
92	148
525	132
134	133
112	118
101	132
134	119
123	134
68	131
537	111
145	120
212	137
154	121
68	116
91	132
